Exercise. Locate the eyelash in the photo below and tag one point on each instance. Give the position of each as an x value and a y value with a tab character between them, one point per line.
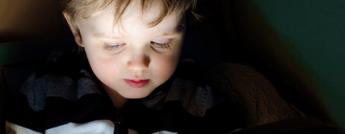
112	46
160	45
155	45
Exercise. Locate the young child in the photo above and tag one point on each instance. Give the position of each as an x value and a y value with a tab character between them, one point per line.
132	81
132	46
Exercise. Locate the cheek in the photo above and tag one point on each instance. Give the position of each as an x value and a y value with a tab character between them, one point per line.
164	67
102	66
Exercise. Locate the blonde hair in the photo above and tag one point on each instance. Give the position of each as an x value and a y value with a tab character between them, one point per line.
78	9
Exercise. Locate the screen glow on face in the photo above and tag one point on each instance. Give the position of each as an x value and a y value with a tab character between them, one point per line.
131	58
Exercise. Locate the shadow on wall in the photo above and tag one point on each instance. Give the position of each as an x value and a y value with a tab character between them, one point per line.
241	33
22	19
268	52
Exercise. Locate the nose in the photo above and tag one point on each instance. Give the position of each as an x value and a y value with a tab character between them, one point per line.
138	62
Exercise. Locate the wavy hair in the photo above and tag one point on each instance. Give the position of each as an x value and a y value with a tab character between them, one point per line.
82	9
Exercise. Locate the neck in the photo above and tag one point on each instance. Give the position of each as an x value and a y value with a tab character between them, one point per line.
117	99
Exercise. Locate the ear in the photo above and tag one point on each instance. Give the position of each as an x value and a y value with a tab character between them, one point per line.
74	28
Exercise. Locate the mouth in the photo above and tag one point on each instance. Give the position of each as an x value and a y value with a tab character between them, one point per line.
137	83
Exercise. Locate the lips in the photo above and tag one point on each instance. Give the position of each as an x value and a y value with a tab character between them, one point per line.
137	83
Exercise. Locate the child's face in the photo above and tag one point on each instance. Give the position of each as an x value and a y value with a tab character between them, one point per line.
131	57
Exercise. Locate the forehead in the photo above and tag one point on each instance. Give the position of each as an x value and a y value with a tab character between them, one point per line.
133	19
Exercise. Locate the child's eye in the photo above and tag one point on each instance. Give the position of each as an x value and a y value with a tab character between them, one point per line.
113	46
160	45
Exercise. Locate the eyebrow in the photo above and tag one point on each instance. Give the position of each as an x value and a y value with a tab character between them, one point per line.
172	34
99	34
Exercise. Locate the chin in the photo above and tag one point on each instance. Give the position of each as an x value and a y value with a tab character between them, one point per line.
136	95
